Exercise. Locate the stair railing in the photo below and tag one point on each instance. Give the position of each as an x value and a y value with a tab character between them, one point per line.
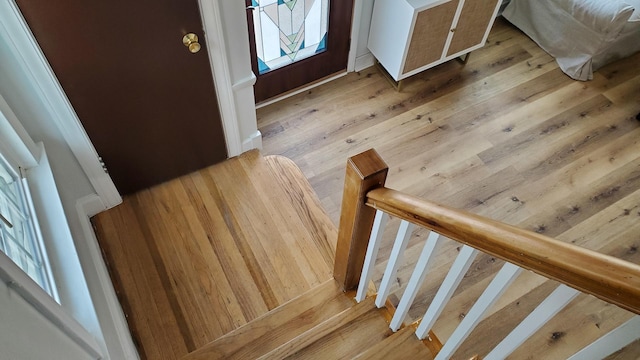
366	207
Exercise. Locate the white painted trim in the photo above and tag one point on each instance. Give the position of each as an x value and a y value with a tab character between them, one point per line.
301	90
558	300
14	139
217	48
112	320
490	295
364	61
356	20
244	83
449	285
38	175
431	246
25	48
395	259
22	284
454	25
375	239
252	142
611	342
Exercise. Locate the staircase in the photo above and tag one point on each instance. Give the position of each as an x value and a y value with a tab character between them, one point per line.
323	323
315	318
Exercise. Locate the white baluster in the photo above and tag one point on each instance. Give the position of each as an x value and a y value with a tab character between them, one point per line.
379	223
547	309
449	285
611	342
491	294
417	277
397	253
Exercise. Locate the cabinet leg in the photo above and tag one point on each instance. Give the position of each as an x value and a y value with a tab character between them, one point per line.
464	58
396	84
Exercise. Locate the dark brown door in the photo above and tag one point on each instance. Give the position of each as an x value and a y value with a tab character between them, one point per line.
330	61
147	103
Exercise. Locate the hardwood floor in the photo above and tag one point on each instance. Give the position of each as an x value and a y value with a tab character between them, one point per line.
199	256
507	136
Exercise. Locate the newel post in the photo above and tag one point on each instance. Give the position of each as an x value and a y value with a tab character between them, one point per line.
365	172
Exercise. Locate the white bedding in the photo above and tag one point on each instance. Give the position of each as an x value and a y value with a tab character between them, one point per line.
582	35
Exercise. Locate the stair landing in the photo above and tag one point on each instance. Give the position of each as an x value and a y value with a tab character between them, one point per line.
200	256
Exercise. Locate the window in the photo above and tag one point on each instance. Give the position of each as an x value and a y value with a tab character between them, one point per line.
20	238
289	30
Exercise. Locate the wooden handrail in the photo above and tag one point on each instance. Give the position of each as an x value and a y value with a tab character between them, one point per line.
611	279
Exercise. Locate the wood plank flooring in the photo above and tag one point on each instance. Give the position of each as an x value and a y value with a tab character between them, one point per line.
507	136
197	257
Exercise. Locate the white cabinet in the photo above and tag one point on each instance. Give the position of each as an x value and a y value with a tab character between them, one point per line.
409	36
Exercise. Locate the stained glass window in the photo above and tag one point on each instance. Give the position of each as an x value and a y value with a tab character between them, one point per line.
289	30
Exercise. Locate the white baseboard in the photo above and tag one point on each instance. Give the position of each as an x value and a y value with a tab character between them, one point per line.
110	315
364	61
253	142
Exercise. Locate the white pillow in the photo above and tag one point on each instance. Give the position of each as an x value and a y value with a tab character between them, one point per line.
602	16
636	13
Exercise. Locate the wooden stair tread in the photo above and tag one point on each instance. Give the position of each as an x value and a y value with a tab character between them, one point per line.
398	345
305	201
342	337
326	328
202	255
277	326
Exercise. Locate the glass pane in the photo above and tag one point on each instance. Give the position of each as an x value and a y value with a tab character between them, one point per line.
288	31
18	238
8	184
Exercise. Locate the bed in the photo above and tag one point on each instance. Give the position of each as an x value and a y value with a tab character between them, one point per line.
583	35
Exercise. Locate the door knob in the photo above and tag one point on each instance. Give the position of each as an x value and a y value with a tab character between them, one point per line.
191	42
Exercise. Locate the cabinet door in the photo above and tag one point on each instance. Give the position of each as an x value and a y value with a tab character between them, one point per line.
474	22
429	35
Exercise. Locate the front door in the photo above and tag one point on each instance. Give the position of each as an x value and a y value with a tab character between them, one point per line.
296	42
146	101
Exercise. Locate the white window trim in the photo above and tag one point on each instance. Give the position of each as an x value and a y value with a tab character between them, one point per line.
29	290
16	143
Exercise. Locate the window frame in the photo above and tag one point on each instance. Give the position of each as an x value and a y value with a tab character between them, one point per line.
40	251
19	147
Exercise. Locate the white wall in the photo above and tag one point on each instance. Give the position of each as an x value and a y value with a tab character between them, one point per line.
362	20
27	335
72	184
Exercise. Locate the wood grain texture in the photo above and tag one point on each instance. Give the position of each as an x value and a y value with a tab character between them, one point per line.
365	171
328	327
507	136
348	338
279	326
197	257
611	279
397	345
